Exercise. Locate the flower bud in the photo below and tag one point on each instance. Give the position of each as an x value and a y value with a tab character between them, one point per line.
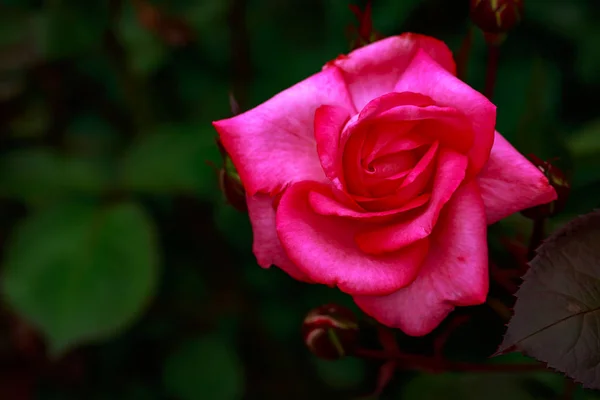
559	182
496	16
230	182
330	331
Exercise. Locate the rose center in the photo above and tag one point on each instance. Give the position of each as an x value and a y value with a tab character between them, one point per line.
392	164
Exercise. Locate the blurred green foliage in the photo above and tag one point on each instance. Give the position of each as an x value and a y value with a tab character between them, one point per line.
120	258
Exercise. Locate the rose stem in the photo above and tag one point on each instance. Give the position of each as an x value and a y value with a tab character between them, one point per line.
409	361
462	55
537	236
492	69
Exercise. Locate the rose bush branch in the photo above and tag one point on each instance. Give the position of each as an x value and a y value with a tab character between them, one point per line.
495	18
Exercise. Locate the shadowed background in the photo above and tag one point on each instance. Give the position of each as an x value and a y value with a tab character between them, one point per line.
124	273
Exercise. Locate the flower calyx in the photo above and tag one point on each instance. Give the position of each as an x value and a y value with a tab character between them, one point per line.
496	17
330	331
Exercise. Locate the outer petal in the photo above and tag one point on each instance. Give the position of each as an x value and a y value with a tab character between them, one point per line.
448	177
273	144
510	183
323	248
454	274
373	70
266	246
425	76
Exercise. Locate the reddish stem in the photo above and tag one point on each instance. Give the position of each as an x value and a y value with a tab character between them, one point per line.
492	70
463	53
435	364
569	390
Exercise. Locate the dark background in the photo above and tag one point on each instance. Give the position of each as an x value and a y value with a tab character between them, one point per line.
121	260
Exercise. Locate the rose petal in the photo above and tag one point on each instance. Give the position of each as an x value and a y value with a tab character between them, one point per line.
324	248
510	183
266	245
448	177
328	205
373	70
273	144
329	123
425	76
455	272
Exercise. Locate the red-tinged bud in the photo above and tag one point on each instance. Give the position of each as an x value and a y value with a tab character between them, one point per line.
559	182
330	331
496	16
230	182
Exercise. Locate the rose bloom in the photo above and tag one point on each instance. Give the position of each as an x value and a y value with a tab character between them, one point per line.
379	175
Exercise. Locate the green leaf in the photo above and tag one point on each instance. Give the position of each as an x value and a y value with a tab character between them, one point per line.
81	273
558	305
40	176
172	160
204	368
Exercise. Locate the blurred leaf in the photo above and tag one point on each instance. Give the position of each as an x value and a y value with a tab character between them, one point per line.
81	273
567	18
389	15
234	225
90	135
146	53
62	31
204	368
140	391
584	145
527	103
471	386
487	385
209	20
588	57
557	305
280	320
345	373
40	176
33	122
174	159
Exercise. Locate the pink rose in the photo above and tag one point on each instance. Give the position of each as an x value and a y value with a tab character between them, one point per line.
379	175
